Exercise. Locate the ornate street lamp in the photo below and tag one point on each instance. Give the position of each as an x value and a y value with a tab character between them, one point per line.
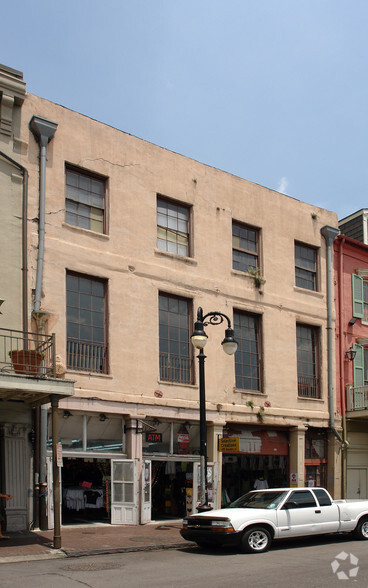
229	345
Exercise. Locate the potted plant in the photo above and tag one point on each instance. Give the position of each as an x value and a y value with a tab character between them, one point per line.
26	361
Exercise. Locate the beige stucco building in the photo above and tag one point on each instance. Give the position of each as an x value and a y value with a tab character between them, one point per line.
137	238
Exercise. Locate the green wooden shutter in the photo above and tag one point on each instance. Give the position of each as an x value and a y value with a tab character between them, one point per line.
358	306
358	365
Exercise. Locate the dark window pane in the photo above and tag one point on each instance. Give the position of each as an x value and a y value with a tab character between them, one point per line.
86	347
245	248
247	363
175	358
305	267
308	384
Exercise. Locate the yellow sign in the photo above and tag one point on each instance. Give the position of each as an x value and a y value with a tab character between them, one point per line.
229	444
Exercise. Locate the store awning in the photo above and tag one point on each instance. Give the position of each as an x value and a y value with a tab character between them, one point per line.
32	390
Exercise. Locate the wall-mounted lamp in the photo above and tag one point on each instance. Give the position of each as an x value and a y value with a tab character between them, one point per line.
352	321
350	354
67	414
103	417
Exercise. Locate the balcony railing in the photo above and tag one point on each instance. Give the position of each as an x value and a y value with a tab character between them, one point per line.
27	354
175	368
86	357
356	398
308	387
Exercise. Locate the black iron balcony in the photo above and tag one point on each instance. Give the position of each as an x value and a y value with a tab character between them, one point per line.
28	354
175	368
308	387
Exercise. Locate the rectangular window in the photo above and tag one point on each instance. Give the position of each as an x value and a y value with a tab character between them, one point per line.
86	330
307	354
176	358
85	200
245	247
247	356
305	267
172	227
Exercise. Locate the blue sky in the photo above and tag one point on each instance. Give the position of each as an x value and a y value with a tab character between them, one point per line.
274	91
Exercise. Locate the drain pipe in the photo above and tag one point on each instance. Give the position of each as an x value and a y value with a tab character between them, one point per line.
43	131
330	233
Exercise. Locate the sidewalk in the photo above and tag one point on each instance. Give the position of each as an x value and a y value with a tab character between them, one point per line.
93	539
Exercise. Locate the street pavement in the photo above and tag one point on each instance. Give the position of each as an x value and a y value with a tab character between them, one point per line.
94	539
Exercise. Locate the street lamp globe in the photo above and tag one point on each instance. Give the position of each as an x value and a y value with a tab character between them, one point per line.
199	337
229	345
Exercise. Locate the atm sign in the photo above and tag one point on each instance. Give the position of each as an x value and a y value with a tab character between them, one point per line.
154	437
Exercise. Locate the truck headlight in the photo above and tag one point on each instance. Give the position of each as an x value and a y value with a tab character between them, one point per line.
222	525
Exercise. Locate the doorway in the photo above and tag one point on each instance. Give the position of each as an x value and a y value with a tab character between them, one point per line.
172	489
86	491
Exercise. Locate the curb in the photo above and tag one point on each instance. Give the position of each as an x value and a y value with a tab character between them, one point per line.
66	554
108	550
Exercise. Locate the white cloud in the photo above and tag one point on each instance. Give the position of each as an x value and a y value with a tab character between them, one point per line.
283	185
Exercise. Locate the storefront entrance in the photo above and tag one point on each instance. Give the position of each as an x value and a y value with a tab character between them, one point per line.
261	461
172	489
86	491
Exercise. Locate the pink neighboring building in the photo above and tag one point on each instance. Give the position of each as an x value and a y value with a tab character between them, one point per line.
351	290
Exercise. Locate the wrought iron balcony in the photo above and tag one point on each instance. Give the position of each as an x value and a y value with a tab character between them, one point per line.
356	398
308	387
28	354
175	368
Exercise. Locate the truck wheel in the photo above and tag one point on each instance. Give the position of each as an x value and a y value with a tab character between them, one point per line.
256	540
361	530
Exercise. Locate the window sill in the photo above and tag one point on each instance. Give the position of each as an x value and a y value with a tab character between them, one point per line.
89	374
175	256
166	383
309	292
243	274
73	228
250	392
308	399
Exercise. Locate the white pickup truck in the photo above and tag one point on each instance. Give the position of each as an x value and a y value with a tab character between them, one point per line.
255	519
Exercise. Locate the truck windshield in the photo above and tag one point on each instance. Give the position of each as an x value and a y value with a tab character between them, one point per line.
259	500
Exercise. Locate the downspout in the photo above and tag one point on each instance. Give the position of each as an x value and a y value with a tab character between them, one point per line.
330	233
43	131
341	368
24	239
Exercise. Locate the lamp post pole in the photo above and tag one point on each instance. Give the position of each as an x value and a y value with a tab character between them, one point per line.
202	432
229	345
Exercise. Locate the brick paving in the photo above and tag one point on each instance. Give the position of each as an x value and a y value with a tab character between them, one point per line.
91	539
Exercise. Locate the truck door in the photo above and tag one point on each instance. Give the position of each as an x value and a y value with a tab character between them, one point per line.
301	515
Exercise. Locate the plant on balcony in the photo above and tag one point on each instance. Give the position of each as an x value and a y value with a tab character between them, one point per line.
26	361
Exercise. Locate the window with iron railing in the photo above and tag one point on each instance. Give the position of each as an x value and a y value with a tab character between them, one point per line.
247	356
175	356
308	380
86	329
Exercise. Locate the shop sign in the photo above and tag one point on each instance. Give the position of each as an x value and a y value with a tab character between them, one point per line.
154	437
59	455
229	444
293	480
